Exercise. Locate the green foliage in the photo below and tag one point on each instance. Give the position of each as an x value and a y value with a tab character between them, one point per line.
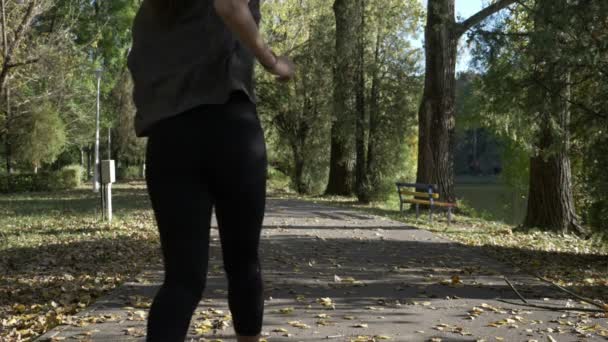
593	184
278	181
69	177
549	58
516	167
42	136
298	116
129	173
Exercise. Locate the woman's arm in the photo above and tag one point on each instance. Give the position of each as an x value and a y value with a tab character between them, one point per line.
238	18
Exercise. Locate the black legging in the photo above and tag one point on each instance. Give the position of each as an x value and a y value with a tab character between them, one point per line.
213	155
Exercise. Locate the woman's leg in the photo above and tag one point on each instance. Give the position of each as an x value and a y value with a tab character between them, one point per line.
239	189
182	206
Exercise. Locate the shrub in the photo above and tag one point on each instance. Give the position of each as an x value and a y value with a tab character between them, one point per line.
129	173
69	177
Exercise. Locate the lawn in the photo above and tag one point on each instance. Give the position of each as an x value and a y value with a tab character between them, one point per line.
57	257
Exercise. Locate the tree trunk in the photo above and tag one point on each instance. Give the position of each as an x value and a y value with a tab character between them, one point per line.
436	115
362	185
89	157
8	146
299	170
374	112
550	198
82	156
344	103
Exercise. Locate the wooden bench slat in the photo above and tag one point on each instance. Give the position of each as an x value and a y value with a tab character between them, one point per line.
419	194
439	204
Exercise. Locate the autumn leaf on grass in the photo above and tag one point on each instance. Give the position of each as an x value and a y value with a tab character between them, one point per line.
298	324
360	325
280	330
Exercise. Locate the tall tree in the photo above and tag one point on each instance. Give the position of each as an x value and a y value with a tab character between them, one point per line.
348	21
550	198
362	181
16	22
436	114
544	87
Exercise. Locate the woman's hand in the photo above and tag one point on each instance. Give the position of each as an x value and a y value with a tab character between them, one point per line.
283	68
237	16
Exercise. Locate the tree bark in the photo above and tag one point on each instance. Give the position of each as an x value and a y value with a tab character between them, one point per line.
436	117
550	199
374	112
362	185
345	79
436	114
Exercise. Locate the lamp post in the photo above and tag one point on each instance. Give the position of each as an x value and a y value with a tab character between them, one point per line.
96	170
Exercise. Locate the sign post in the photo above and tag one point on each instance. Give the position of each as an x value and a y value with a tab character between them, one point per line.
108	176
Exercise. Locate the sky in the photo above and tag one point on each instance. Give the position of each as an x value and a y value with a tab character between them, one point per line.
464	9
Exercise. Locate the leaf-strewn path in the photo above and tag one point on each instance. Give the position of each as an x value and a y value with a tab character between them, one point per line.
347	276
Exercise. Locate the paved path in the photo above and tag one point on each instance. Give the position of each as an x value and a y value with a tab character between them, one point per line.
336	274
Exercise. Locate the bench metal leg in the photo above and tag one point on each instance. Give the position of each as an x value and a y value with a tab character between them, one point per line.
431	214
400	207
417	211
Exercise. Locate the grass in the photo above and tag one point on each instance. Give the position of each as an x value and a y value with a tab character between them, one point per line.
57	257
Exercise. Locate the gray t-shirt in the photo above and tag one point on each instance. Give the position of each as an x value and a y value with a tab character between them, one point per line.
194	61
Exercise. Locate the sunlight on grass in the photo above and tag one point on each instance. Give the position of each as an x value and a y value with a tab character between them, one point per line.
57	256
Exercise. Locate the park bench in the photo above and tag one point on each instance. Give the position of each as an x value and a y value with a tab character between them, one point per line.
425	194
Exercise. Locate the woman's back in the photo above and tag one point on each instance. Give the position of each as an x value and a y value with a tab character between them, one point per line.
185	58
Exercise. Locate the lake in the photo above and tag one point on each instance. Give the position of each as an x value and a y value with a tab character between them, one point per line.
491	199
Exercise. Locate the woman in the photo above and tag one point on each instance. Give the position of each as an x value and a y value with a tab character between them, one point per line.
192	66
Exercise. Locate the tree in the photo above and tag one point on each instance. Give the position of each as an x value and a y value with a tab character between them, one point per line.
42	136
550	198
544	83
16	22
128	148
296	114
436	117
348	14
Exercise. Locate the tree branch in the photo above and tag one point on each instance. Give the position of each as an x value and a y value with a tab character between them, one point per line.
480	16
26	62
19	35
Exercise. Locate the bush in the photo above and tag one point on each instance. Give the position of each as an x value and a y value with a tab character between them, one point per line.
278	181
69	177
129	173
